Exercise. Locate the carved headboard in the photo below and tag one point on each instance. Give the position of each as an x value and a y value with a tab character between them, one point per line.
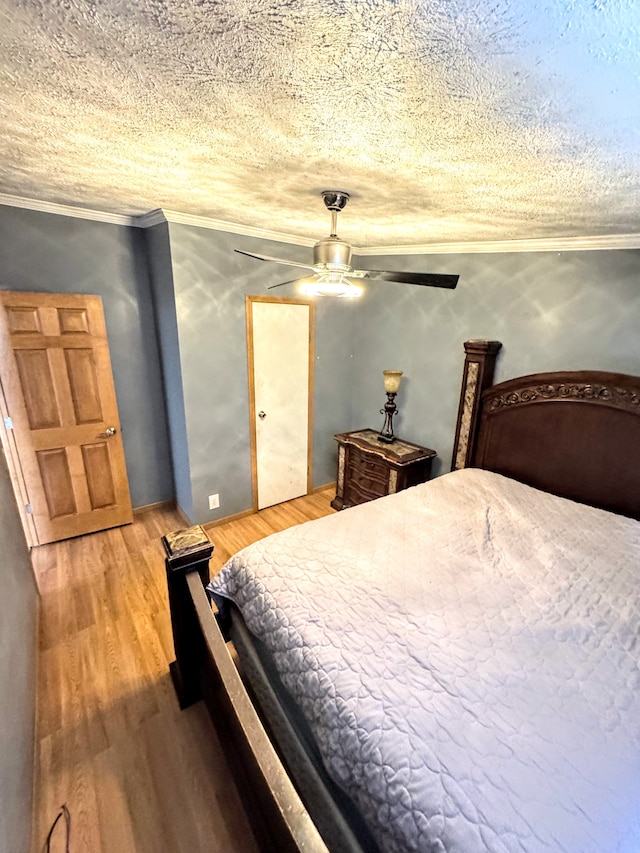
572	433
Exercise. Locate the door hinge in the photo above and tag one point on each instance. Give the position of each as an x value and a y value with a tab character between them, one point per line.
28	509
8	423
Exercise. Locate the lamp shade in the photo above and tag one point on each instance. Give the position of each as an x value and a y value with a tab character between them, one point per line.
392	380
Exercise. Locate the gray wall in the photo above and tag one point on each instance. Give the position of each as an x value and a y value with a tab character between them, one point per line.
58	254
211	282
551	310
18	625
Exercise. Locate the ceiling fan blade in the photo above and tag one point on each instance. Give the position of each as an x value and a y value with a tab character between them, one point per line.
275	260
282	283
428	279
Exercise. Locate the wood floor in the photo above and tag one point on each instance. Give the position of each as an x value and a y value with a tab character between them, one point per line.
137	774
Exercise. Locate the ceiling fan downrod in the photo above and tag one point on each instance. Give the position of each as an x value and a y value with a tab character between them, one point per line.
335	201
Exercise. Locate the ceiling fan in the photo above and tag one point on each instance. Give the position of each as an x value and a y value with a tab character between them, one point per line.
332	271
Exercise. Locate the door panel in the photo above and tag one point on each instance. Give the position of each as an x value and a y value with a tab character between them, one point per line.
59	393
23	320
100	484
73	320
83	382
56	481
280	343
36	384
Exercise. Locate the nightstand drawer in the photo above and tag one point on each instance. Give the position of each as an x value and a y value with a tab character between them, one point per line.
368	466
358	493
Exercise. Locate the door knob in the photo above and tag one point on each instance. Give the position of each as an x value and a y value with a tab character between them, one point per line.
107	433
262	415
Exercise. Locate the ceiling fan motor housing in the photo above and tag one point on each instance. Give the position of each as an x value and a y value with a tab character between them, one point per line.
335	199
332	253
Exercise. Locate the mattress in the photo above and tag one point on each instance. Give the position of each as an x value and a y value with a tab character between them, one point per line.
466	655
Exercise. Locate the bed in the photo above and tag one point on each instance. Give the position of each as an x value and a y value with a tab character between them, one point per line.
455	666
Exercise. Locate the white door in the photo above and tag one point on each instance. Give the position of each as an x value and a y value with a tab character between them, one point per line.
280	342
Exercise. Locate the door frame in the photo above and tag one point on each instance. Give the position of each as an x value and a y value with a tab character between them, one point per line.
249	300
16	475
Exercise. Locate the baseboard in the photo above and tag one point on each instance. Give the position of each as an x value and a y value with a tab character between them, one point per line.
139	510
235	517
183	515
171	505
317	489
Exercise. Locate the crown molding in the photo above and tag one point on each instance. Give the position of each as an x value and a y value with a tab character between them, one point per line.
148	220
66	210
155	217
162	215
540	244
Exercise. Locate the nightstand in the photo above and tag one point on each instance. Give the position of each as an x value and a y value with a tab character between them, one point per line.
369	469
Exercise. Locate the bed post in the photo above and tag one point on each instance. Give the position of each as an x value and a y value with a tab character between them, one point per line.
479	365
187	551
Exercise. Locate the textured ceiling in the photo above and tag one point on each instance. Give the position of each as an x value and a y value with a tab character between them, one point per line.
447	120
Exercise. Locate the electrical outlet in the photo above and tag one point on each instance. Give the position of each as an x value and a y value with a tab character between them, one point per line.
214	501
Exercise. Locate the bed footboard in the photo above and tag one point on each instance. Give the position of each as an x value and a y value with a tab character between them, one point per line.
205	669
188	552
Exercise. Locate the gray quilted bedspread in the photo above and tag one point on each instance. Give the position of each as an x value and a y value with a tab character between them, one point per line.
467	654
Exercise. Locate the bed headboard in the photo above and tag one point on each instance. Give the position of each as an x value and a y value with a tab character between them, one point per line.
572	433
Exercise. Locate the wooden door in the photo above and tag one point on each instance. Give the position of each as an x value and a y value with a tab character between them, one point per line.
59	403
280	341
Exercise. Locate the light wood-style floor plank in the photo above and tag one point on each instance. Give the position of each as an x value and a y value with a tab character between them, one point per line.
137	774
231	536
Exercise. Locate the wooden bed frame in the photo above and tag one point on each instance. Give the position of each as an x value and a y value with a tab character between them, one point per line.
575	434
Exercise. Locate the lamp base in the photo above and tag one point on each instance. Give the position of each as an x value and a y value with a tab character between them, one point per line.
388	439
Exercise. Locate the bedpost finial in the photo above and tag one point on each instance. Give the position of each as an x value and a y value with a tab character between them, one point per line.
481	346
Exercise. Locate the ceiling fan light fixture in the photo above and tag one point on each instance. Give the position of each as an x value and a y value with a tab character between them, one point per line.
330	284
